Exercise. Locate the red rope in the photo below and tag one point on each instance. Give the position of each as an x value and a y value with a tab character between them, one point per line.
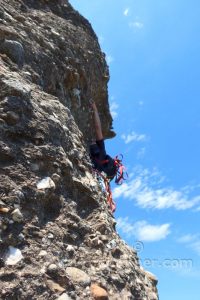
108	191
109	197
120	176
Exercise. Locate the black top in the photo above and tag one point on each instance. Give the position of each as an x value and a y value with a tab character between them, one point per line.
101	160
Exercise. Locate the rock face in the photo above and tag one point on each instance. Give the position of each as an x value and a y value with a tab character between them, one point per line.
56	228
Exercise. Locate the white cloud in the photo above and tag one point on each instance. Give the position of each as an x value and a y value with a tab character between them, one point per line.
150	233
196	246
113	109
136	25
143	231
133	136
187	238
192	241
141	103
126	12
141	153
109	59
145	190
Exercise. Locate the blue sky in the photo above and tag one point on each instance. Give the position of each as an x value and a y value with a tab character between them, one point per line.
152	49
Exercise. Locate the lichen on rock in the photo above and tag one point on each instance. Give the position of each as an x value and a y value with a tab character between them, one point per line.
54	219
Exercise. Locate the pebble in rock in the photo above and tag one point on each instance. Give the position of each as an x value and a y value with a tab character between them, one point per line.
46	183
13	256
98	292
70	249
56	177
78	276
52	268
64	297
43	253
54	287
21	237
4	209
17	215
50	236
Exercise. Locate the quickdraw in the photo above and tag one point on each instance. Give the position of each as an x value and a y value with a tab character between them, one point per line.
120	175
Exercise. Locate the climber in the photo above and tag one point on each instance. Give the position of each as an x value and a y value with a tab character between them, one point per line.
102	162
100	159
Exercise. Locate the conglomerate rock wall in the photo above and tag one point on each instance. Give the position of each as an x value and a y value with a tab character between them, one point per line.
57	234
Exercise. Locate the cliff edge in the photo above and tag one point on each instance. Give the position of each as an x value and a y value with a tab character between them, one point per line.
57	234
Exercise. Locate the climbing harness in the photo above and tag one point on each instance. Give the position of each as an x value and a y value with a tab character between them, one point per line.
120	173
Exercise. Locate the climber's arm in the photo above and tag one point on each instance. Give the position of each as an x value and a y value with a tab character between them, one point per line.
97	122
